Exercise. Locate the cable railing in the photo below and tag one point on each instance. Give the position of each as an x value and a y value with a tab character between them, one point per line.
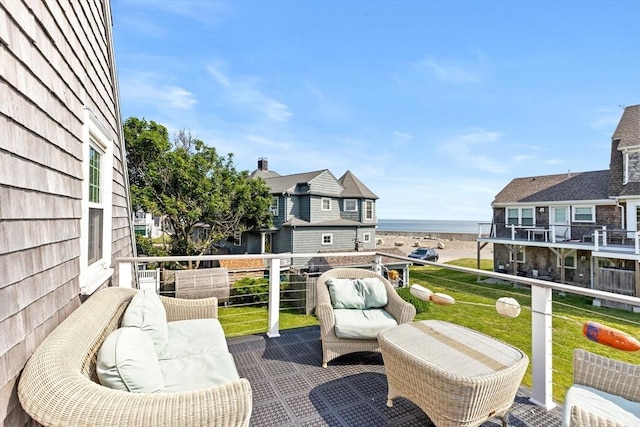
283	291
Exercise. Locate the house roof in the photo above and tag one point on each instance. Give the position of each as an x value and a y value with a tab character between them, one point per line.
288	183
592	185
626	135
353	187
325	261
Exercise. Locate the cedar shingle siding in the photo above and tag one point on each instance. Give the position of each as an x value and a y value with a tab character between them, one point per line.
57	60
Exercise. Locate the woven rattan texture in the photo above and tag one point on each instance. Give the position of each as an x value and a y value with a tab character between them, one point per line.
290	388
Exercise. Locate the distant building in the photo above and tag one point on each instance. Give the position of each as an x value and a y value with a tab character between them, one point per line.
577	228
313	212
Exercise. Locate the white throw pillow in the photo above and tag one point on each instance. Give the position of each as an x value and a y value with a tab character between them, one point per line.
127	361
146	311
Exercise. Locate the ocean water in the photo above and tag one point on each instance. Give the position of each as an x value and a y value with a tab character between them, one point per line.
436	226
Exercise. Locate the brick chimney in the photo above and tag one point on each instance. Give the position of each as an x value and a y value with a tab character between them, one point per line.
263	164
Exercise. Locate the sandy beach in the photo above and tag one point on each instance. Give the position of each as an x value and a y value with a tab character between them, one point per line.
448	249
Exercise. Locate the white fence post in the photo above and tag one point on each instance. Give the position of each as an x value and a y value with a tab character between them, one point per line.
125	274
541	349
274	298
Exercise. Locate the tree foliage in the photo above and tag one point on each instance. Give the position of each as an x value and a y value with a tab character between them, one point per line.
192	186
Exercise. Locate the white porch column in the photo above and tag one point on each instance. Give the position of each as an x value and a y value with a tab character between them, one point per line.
541	331
273	330
125	275
377	264
262	234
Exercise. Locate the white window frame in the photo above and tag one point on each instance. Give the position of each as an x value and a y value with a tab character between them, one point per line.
574	256
327	239
355	205
275	207
95	136
237	238
592	208
323	201
519	260
368	210
366	237
520	209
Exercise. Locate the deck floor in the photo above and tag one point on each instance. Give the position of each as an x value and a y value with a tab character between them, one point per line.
290	388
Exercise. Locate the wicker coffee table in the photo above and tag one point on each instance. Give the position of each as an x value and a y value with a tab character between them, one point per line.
457	376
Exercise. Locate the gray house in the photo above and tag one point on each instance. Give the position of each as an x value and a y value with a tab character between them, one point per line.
64	197
314	212
576	228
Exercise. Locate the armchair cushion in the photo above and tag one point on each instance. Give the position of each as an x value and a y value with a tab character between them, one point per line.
361	324
146	311
358	294
127	361
601	404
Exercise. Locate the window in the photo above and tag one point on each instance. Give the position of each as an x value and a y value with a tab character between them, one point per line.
350	205
520	257
275	205
366	237
327	239
95	250
570	261
326	204
368	209
583	214
522	217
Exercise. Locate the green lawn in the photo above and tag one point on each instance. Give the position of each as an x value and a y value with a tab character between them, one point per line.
475	308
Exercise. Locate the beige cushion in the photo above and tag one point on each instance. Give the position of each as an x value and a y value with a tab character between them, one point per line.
602	404
146	311
361	324
127	361
188	337
198	371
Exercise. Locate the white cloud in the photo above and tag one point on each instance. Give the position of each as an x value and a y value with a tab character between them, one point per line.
242	92
402	137
451	73
470	149
149	89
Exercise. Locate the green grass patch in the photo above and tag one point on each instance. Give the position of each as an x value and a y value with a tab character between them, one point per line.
238	321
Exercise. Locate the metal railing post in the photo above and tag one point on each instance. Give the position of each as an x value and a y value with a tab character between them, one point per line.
637	237
604	235
273	330
513	232
377	264
552	230
541	349
125	274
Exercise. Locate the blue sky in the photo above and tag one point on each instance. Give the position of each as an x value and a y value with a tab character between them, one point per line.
434	105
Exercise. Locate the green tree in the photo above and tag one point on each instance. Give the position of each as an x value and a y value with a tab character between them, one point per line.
192	186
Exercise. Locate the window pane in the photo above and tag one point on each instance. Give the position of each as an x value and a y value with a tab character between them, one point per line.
512	216
369	210
326	204
95	235
560	216
94	175
583	214
350	205
527	216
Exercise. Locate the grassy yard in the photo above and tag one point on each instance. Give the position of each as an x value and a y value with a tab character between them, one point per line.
475	308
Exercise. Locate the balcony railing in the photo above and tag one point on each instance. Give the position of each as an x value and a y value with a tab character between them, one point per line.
541	301
596	238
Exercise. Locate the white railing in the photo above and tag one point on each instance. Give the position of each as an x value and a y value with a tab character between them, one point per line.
541	303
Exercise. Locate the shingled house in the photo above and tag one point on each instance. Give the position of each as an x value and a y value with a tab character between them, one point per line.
314	212
576	228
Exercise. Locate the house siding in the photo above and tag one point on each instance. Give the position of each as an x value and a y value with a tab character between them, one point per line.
316	212
326	184
56	60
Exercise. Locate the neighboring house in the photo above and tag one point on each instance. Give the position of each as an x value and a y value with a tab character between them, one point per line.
576	228
148	225
313	212
64	197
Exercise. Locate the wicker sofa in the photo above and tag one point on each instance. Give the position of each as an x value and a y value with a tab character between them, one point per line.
59	385
605	393
332	345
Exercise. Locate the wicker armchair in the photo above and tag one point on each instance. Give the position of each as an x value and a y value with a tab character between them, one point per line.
59	385
608	375
332	345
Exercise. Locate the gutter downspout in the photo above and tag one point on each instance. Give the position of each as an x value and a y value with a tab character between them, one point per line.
622	213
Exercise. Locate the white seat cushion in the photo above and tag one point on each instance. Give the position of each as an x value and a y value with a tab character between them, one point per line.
188	337
146	311
127	361
361	324
601	403
198	371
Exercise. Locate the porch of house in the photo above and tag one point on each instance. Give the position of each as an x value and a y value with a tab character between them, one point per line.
290	388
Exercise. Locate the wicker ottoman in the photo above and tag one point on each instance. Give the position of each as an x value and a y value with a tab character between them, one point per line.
459	377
